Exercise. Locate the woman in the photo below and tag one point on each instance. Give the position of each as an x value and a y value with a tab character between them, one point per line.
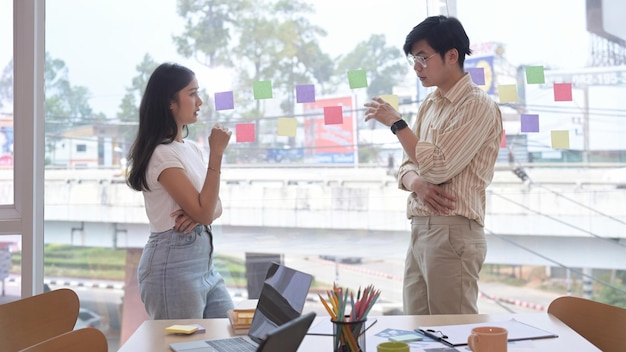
177	278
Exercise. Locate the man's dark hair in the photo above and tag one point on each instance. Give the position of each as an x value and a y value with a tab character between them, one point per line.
442	34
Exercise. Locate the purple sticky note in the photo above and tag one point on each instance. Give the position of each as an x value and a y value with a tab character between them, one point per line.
478	75
530	122
224	101
305	93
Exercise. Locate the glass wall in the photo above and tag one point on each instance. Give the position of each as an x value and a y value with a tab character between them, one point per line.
306	181
6	104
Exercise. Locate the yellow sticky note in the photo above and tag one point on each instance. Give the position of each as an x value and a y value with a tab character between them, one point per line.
181	329
507	93
392	99
287	126
560	139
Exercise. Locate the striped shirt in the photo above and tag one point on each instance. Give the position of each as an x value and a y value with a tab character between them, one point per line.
459	136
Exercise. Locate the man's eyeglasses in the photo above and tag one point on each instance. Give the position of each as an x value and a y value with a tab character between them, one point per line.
418	59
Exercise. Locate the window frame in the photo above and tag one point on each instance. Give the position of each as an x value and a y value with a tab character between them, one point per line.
25	216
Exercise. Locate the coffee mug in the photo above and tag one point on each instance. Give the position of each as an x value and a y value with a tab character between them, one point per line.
488	339
393	346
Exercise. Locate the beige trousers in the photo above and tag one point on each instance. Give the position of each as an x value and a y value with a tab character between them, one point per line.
442	264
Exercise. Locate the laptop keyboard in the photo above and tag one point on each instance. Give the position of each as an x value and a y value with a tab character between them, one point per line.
236	344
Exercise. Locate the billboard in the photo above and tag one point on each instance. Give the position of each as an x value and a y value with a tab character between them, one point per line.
6	145
606	18
486	63
331	144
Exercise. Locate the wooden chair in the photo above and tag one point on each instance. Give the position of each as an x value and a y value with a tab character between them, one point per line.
601	324
31	320
87	339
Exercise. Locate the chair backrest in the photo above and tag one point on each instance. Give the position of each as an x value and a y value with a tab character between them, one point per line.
601	324
30	320
86	339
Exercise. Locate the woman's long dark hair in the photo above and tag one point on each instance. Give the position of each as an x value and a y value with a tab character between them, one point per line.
156	121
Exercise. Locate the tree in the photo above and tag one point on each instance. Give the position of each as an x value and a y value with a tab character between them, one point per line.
129	106
384	65
6	85
66	106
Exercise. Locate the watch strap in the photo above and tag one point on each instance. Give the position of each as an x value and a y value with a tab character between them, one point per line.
398	125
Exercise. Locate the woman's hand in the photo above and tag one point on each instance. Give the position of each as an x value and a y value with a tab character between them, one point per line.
183	223
219	137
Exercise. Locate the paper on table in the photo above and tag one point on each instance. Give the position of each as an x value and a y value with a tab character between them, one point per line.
456	335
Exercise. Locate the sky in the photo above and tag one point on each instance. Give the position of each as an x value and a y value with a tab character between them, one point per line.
101	41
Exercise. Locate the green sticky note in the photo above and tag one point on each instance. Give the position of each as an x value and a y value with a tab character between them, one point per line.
357	79
560	139
287	126
392	99
507	93
534	75
262	89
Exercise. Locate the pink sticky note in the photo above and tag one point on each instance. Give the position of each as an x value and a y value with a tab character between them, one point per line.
562	92
333	115
244	132
503	141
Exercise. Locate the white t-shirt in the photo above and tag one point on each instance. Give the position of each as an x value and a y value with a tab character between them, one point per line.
158	203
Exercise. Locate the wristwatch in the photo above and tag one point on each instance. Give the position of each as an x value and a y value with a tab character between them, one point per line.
398	125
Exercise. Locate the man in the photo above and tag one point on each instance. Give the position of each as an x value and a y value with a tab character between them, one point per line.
449	158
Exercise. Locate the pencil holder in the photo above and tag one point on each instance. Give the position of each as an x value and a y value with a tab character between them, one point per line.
349	336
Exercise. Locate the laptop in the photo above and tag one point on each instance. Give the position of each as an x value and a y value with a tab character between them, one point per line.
277	324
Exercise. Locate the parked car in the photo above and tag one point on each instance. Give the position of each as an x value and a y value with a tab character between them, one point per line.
87	319
343	260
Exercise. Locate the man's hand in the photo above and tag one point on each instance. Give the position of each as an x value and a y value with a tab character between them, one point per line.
183	223
433	196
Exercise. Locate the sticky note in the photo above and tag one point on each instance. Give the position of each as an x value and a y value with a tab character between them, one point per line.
535	75
478	75
305	93
507	93
530	122
357	79
333	115
244	132
287	126
560	139
224	101
262	89
503	140
392	99
181	329
562	92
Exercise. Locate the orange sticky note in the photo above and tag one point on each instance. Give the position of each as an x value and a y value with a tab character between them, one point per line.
507	93
333	115
244	132
562	92
287	126
560	139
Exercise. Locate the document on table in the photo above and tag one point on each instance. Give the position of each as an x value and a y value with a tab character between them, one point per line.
456	335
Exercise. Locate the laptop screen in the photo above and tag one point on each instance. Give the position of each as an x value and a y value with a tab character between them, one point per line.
281	300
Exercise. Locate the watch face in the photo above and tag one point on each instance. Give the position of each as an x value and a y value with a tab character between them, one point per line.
398	125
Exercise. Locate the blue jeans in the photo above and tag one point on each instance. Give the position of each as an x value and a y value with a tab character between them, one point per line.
177	279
